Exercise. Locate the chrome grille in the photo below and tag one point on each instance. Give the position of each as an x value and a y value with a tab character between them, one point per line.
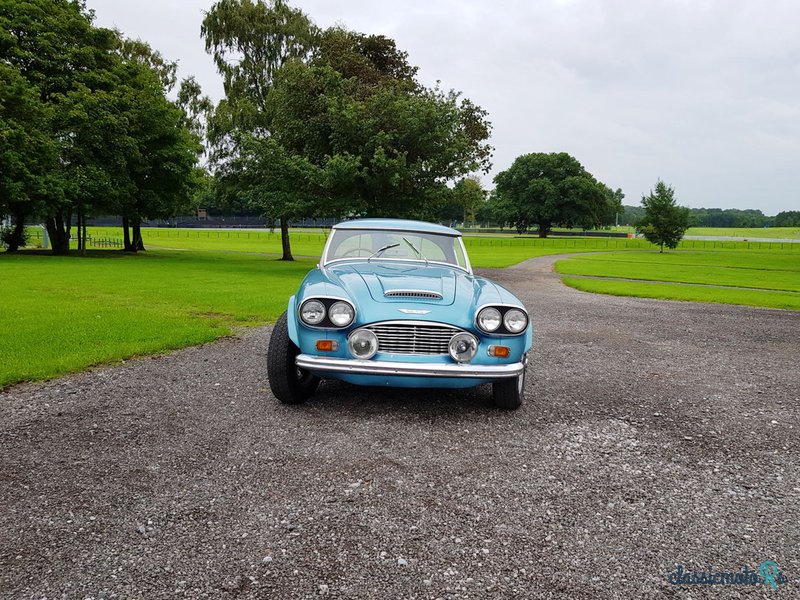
409	337
412	294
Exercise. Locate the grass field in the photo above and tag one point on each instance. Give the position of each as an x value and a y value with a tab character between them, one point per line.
771	279
63	314
778	233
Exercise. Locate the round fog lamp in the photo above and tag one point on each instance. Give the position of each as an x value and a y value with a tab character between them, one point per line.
463	347
362	343
341	314
515	320
489	319
312	312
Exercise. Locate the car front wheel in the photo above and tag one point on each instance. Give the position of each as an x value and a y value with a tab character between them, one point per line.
509	393
289	384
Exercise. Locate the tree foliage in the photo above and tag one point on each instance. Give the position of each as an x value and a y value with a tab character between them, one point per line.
85	125
664	222
463	202
340	114
547	190
787	218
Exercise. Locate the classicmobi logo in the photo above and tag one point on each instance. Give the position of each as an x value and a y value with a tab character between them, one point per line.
767	574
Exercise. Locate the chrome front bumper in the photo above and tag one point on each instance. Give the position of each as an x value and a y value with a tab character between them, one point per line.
405	369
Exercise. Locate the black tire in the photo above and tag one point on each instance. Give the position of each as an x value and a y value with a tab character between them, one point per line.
289	384
509	393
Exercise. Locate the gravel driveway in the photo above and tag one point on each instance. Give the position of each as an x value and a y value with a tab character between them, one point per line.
655	434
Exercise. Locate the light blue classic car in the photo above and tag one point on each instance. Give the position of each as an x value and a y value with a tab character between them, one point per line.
395	303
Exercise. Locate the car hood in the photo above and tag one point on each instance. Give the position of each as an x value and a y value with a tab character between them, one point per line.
366	284
402	282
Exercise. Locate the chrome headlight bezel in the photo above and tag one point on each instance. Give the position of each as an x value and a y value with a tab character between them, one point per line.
335	311
352	340
506	314
328	303
320	311
488	313
463	347
515	313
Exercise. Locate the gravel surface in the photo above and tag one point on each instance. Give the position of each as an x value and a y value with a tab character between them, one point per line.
655	434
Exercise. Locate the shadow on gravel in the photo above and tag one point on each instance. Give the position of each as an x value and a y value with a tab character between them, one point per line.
337	396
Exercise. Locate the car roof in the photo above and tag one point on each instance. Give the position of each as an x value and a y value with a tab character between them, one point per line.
398	225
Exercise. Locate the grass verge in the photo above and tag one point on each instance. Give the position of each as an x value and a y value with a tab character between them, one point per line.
773	277
689	293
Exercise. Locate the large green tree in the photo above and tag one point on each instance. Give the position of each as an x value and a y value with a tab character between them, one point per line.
53	46
250	41
340	114
664	222
28	154
548	190
388	146
102	136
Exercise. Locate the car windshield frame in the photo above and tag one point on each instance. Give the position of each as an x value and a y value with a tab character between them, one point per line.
403	235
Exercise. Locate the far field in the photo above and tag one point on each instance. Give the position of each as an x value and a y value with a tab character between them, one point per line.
62	314
778	233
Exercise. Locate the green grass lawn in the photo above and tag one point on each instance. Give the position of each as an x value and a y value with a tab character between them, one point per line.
62	314
783	233
773	278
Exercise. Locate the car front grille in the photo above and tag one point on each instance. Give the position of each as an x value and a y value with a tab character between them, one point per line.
408	337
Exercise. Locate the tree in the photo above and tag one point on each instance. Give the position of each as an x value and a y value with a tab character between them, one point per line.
101	134
463	201
249	42
664	222
788	218
339	110
53	46
27	153
388	147
553	189
160	162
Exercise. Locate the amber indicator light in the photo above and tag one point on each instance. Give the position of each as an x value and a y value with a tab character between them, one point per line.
326	345
500	351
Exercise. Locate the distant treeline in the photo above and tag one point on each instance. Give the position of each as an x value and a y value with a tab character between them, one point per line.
723	217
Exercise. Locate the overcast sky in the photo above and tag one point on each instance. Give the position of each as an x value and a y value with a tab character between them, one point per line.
704	95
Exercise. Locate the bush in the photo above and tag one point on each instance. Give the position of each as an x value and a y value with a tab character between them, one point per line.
12	238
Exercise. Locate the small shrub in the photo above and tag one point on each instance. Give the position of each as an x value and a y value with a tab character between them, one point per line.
11	238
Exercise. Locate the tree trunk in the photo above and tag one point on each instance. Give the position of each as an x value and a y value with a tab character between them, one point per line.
17	236
137	242
83	241
287	248
543	231
81	237
59	235
126	235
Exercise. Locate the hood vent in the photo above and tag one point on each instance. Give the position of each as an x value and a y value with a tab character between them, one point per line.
413	294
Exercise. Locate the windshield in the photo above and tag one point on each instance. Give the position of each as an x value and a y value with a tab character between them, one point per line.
376	245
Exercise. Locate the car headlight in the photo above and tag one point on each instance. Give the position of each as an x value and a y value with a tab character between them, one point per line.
341	314
312	312
489	319
515	320
463	347
363	343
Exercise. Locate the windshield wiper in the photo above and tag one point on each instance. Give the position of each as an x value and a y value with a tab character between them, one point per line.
380	251
422	256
